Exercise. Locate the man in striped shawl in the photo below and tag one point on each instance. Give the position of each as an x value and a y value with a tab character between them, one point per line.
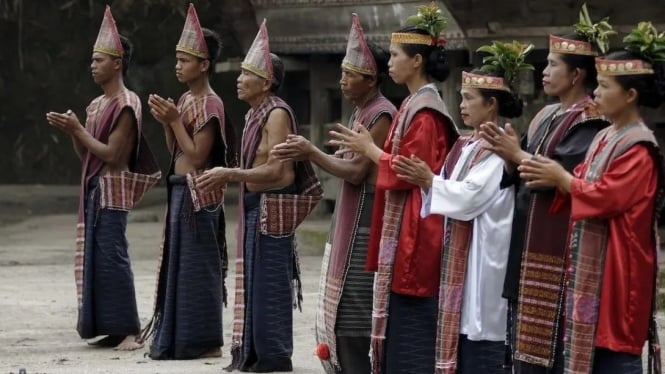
274	198
187	320
118	168
344	317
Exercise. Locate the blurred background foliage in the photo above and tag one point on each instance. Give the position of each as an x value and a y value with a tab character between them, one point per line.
45	58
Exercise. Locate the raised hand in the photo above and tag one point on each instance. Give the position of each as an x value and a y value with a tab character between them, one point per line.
295	148
66	122
541	171
414	171
358	141
504	143
163	110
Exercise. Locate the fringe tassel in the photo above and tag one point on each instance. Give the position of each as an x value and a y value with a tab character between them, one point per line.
654	349
297	282
150	328
235	358
376	354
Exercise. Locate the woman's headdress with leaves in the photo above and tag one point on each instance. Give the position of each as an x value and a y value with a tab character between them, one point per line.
430	19
643	41
505	60
596	33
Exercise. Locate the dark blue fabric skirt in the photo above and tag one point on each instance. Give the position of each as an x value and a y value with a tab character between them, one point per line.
268	333
410	335
189	318
109	298
483	356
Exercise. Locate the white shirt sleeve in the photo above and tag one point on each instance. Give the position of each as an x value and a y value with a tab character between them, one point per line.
466	199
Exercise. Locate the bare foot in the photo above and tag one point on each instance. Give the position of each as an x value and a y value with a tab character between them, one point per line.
130	343
109	341
215	352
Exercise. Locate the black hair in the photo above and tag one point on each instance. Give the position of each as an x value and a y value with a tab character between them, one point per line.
650	88
277	72
127	52
214	44
583	62
381	57
436	63
509	104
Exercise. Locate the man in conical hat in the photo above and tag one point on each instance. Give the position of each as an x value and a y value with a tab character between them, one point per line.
187	320
274	198
118	168
344	317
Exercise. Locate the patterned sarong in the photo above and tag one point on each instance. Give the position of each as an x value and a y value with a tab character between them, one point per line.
269	275
345	287
109	299
190	288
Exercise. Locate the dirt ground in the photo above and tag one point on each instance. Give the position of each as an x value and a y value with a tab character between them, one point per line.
38	297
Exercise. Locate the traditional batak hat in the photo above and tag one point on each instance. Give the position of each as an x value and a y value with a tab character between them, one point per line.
108	39
648	47
258	57
358	57
471	80
191	40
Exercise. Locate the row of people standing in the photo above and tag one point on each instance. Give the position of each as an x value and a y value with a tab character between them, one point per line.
118	168
430	306
549	240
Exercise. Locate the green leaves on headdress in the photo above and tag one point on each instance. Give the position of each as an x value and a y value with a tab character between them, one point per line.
645	41
429	18
506	59
595	32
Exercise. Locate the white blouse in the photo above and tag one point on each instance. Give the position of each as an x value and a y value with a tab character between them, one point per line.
478	197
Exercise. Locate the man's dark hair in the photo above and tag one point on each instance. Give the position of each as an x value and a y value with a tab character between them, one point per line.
214	44
277	72
128	51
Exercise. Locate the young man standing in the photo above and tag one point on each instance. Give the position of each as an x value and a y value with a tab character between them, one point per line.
118	168
274	199
187	321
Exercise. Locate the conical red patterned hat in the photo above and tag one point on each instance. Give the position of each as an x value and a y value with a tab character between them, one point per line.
191	40
258	57
108	39
358	55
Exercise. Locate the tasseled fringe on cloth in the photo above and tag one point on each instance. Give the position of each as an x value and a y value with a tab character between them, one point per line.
236	356
376	354
297	282
654	362
149	330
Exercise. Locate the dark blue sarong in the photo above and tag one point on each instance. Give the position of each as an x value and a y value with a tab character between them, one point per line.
188	321
410	343
482	356
268	334
108	297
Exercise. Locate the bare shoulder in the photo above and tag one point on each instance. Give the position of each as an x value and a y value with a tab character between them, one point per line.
279	120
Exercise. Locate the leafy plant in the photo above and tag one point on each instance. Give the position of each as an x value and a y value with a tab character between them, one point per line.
506	59
429	18
645	41
597	32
